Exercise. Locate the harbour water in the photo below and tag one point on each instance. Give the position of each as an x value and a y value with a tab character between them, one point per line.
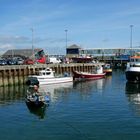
107	109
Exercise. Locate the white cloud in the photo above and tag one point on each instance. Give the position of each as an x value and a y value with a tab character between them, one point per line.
14	39
5	47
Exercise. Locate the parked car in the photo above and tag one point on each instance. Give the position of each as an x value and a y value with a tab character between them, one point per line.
20	61
11	62
54	60
28	62
3	62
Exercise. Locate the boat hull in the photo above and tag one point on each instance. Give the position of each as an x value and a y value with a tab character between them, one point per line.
37	101
54	80
47	81
35	104
80	76
133	76
108	71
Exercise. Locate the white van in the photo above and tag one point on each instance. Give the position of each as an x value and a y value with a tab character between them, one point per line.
54	60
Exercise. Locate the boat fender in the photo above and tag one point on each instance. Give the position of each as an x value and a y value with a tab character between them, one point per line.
47	99
28	82
66	74
98	67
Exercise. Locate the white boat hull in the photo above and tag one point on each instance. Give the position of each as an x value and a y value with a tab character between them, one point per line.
133	76
46	81
133	73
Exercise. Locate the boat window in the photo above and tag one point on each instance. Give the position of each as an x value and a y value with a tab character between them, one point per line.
132	60
136	65
135	60
107	66
40	73
48	73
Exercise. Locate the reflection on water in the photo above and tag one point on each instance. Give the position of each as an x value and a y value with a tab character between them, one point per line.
87	86
55	90
9	94
132	91
132	88
40	112
63	90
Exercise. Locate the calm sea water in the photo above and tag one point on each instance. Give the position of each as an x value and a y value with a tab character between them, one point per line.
105	109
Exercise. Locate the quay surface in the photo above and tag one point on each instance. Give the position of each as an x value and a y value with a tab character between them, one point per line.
17	74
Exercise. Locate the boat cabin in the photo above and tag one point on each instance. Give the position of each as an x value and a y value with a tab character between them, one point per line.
134	62
47	72
135	59
107	66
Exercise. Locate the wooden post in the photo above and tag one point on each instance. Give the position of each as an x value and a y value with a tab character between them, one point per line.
10	78
1	78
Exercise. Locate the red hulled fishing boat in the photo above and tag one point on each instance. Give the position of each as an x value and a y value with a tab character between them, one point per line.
80	76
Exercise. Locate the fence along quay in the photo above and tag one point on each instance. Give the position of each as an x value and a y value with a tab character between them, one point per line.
17	74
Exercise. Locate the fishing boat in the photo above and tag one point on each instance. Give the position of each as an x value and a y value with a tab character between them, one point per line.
81	76
37	101
133	69
107	69
47	76
35	98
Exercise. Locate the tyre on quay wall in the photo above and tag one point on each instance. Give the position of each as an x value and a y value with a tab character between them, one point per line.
32	81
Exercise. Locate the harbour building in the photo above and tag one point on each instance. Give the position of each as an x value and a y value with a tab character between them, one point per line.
101	53
23	53
109	51
73	51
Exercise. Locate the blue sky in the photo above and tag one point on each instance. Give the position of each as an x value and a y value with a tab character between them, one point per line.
90	24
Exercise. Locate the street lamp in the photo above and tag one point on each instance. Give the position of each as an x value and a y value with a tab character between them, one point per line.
66	37
131	26
32	42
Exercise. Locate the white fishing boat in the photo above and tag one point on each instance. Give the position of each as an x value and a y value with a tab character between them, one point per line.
47	76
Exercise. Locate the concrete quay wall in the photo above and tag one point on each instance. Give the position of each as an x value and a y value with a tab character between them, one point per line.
17	74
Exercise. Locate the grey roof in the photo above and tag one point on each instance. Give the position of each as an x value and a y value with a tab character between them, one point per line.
21	52
74	46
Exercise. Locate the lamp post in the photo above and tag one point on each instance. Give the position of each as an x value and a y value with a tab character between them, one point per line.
131	27
32	42
66	38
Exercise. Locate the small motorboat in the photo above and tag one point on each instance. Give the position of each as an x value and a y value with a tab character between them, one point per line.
107	69
47	76
81	76
36	99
